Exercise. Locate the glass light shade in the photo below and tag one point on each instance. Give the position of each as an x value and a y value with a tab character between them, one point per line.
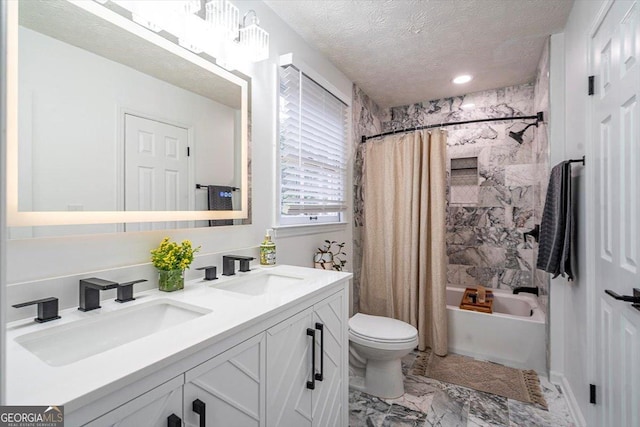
224	18
254	41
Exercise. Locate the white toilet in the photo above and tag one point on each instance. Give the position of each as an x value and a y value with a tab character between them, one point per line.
376	346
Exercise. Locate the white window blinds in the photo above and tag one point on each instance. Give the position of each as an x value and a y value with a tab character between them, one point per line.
313	148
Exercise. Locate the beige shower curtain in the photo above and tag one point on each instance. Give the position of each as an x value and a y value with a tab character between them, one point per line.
404	255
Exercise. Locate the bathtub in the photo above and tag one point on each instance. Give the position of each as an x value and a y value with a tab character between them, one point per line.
513	335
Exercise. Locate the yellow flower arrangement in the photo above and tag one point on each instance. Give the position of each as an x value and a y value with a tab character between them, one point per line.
172	256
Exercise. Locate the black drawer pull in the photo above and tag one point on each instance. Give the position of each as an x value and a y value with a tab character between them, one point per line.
320	376
174	421
312	384
200	408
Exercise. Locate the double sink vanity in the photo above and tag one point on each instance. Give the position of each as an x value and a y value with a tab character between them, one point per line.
266	347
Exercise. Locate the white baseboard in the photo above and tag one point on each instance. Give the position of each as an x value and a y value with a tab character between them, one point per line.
572	403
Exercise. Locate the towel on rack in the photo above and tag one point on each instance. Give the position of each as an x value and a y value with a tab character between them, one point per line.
556	229
220	199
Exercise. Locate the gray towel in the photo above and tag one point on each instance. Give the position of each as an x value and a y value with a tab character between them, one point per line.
220	200
556	230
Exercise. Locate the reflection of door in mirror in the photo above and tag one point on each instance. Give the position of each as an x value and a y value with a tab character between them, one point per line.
156	172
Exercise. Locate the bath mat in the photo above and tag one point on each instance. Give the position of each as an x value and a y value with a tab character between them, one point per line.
489	377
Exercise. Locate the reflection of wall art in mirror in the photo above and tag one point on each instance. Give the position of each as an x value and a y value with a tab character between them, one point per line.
118	131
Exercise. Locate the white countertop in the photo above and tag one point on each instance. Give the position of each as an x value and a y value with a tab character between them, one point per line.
30	381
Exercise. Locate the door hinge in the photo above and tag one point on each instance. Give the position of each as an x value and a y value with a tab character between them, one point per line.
592	89
188	151
592	394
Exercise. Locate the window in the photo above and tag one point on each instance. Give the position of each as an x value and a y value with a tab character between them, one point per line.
313	151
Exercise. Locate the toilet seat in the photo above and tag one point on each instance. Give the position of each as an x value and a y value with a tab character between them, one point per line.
381	330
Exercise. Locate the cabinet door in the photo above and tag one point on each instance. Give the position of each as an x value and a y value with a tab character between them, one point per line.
289	367
231	386
151	409
329	397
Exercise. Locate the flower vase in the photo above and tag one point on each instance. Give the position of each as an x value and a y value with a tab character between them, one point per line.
170	280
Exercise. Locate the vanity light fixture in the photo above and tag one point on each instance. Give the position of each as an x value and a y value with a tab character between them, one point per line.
219	34
461	79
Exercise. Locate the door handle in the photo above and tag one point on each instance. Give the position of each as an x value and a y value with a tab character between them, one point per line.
312	333
633	299
201	409
174	421
320	376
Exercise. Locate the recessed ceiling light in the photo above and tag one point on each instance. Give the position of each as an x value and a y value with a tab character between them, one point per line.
464	78
468	106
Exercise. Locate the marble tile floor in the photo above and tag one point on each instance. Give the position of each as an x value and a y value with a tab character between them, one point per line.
432	403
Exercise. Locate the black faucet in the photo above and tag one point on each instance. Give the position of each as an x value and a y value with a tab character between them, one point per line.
90	292
530	290
229	267
47	309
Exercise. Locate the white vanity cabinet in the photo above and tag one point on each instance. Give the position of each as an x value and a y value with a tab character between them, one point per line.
299	395
228	389
287	367
152	409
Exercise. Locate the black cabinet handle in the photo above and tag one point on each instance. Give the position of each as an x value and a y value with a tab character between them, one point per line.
320	376
200	408
312	333
174	421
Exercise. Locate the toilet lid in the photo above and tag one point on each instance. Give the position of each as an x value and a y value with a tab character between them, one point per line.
377	328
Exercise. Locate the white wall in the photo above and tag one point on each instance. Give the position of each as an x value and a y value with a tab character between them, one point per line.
33	259
569	299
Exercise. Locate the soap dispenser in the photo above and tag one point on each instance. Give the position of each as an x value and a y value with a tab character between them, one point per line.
267	251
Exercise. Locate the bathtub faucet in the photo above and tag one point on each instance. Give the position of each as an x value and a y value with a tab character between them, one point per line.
531	290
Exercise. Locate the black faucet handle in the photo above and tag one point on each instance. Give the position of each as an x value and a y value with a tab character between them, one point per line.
125	290
210	272
244	263
535	233
47	309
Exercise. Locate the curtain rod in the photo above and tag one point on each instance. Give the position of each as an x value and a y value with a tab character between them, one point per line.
538	117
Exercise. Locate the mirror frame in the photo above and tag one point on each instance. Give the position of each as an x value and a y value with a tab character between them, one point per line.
16	218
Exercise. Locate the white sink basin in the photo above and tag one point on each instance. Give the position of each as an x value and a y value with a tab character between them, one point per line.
261	284
64	344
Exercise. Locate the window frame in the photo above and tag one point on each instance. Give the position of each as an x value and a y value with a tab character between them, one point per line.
284	221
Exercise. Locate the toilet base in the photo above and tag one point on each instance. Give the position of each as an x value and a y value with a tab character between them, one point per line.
383	378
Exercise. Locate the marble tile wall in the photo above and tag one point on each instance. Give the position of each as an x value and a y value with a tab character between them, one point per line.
367	120
485	241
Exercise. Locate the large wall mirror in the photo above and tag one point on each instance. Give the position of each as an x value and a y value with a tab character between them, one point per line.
119	128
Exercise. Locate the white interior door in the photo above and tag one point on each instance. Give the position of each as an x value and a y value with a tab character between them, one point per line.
156	169
615	161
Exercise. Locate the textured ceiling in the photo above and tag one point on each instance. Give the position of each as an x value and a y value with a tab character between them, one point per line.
405	51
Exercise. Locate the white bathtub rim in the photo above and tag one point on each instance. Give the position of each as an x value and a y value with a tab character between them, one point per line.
537	316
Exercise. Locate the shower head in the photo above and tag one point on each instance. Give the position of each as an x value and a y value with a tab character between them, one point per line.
518	135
